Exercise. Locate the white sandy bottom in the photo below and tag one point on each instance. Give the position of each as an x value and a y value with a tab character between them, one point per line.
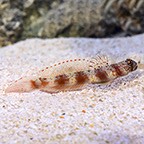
98	114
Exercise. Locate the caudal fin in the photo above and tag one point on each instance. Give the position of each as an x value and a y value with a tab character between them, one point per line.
22	85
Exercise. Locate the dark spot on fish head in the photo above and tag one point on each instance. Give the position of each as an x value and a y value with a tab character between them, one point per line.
132	64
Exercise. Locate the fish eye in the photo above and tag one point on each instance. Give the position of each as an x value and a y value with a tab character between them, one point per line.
128	61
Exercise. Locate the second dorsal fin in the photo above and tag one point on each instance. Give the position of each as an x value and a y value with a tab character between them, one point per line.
65	67
73	65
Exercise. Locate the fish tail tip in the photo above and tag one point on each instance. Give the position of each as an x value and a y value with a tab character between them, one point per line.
10	89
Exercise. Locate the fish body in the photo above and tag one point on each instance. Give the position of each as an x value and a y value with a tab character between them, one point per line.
74	75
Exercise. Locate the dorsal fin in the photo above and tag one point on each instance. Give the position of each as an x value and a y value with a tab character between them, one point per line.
99	61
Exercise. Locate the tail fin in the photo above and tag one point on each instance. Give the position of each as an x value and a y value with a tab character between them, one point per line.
22	85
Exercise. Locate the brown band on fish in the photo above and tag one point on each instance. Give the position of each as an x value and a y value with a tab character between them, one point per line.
118	70
33	84
81	77
43	82
101	74
61	79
